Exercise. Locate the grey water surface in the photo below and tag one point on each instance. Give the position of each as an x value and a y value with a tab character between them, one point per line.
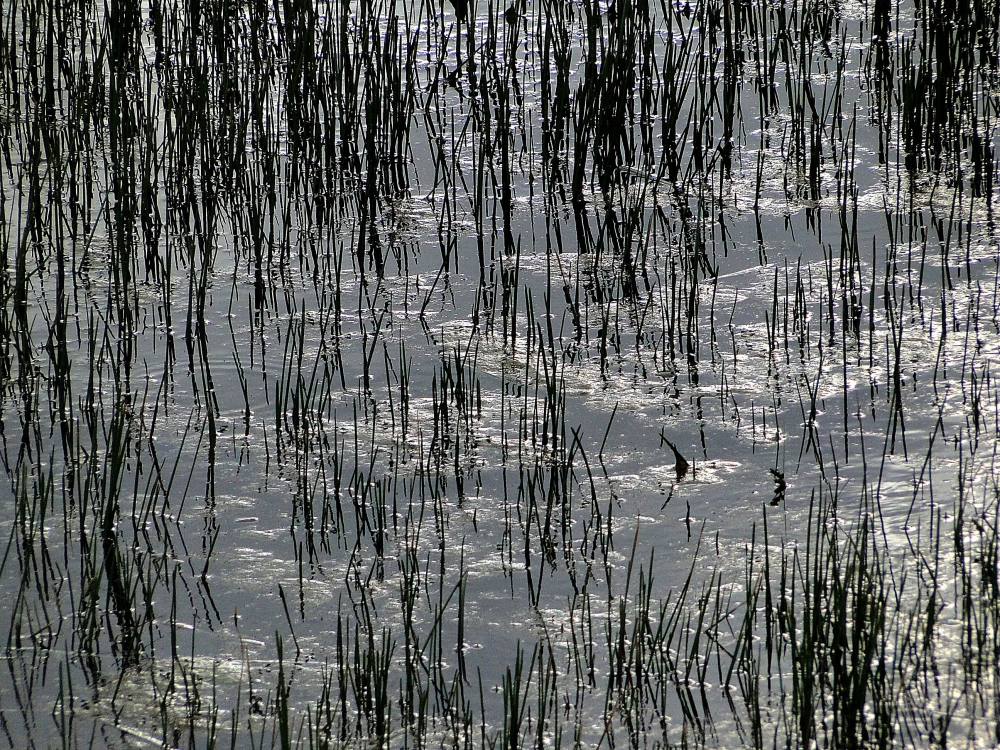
564	374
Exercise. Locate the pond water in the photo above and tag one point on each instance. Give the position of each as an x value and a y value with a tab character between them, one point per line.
560	374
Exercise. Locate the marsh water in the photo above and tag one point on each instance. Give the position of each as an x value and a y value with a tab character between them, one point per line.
560	374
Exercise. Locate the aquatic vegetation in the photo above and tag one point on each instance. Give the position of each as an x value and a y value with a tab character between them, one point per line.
420	373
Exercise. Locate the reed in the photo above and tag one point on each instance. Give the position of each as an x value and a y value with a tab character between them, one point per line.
304	303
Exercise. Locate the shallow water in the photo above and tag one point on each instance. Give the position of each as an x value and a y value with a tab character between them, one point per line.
306	338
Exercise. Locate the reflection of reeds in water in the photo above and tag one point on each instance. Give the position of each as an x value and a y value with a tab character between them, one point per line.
442	258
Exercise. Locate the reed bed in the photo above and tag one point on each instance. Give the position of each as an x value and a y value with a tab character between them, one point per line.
440	373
